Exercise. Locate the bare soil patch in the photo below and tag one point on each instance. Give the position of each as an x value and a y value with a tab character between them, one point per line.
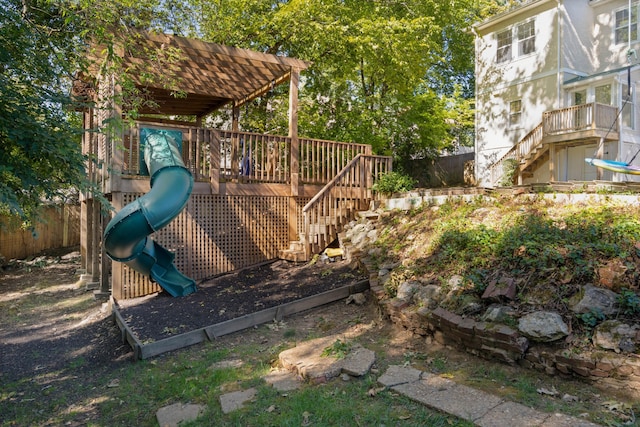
234	295
50	323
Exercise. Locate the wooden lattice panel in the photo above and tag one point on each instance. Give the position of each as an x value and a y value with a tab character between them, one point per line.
215	234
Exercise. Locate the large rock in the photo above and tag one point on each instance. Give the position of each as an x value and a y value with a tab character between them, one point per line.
612	274
617	336
407	289
428	296
358	235
544	326
591	298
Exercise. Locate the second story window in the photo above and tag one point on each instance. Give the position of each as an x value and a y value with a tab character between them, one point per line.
526	38
516	41
624	25
504	46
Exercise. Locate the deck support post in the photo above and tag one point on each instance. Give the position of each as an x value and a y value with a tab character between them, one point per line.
295	153
552	163
600	155
235	143
214	163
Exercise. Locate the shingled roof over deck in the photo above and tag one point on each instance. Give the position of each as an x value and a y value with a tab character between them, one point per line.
211	75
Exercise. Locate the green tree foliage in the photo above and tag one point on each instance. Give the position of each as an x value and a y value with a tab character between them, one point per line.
44	48
394	74
39	151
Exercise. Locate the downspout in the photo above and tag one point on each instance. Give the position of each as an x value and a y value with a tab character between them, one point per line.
559	102
476	169
616	177
559	60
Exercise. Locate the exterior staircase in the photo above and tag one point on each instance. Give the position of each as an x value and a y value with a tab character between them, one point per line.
578	124
336	205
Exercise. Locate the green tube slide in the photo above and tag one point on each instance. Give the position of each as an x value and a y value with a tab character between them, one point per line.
126	238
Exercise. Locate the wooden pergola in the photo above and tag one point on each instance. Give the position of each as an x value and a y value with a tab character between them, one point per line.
209	76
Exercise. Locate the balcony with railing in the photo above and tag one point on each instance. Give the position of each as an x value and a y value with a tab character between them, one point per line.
581	123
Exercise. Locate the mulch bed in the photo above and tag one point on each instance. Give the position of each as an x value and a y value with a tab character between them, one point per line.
159	316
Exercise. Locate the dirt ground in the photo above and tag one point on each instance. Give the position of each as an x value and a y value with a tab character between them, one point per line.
54	333
234	295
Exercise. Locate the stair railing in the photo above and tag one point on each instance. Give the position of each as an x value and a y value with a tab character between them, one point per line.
336	204
527	144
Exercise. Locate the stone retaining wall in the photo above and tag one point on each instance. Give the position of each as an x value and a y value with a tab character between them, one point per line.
606	369
502	343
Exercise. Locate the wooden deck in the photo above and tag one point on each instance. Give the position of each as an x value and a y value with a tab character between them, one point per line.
248	204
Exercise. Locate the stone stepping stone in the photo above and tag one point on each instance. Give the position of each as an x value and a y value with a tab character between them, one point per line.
225	364
177	413
397	374
233	401
282	380
358	362
447	396
308	362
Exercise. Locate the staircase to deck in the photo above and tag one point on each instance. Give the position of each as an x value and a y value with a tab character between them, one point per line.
336	205
572	125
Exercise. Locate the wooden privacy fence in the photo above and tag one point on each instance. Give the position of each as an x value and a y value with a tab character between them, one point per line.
59	228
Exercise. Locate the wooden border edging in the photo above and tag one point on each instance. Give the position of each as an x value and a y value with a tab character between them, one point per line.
147	350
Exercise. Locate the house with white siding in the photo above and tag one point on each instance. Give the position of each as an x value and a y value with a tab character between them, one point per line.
555	84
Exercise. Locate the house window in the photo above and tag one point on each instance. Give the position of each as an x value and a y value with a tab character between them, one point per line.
522	35
627	107
504	46
515	111
526	38
579	97
603	94
623	23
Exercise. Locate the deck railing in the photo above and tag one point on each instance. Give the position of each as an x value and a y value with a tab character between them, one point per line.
579	117
252	157
348	191
321	160
246	157
562	121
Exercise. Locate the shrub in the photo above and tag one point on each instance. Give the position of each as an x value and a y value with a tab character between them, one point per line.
509	170
393	182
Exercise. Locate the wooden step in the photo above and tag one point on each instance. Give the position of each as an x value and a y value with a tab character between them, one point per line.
370	215
296	251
